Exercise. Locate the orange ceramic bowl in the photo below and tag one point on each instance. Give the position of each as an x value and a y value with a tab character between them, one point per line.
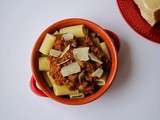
69	22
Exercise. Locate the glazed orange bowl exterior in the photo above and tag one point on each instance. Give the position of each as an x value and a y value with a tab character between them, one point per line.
64	23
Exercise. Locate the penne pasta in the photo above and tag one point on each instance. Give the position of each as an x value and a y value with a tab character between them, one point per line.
44	64
67	36
105	49
47	79
77	30
61	90
47	44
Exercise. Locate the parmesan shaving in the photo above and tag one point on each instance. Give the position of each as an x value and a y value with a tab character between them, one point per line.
63	62
98	73
100	82
55	53
70	69
77	95
94	58
81	53
64	51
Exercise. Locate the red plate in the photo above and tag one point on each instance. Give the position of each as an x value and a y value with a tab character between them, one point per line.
132	15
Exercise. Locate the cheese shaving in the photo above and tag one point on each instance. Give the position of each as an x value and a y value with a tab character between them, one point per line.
81	53
100	82
55	53
70	69
65	51
76	96
63	62
98	73
94	58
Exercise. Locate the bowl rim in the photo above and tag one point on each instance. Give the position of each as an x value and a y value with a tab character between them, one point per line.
106	39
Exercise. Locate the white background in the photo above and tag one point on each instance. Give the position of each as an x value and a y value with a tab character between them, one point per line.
134	95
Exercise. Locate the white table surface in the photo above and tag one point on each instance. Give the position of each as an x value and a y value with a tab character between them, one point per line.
134	95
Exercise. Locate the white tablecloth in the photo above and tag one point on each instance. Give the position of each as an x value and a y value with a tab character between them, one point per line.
134	94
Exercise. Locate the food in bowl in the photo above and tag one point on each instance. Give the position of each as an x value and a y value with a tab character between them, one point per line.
74	61
150	10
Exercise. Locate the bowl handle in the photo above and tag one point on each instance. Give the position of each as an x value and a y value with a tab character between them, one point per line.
39	92
115	39
36	89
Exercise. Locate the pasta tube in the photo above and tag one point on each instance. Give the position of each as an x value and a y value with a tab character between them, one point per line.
44	64
47	44
77	30
105	49
47	79
61	90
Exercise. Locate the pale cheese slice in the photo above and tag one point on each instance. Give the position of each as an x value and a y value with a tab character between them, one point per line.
94	58
55	53
98	73
70	69
81	53
65	51
76	96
